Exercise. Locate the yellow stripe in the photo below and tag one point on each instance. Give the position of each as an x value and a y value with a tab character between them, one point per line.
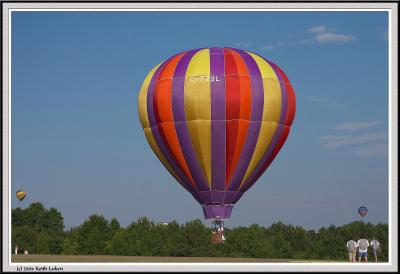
198	90
272	90
197	98
142	100
153	144
200	135
267	131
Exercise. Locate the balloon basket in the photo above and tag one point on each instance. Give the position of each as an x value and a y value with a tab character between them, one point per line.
217	234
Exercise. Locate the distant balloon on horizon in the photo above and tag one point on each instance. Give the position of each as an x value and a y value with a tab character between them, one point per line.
216	118
362	210
20	195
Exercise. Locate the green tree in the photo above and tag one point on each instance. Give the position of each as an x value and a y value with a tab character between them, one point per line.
38	229
198	238
24	237
174	240
41	231
93	235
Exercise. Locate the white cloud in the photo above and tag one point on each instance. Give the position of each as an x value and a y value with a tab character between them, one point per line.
375	150
324	34
320	29
334	37
356	125
335	141
280	44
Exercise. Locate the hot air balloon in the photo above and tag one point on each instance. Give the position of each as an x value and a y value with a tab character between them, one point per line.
216	118
20	195
362	210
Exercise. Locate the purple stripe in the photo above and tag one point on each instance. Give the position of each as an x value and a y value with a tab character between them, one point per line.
205	197
218	146
190	156
182	131
217	87
238	195
218	196
217	211
178	104
257	105
229	196
218	154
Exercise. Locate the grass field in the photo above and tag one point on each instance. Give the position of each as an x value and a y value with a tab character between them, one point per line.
142	259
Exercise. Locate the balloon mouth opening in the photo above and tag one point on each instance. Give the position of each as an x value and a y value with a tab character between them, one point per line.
217	211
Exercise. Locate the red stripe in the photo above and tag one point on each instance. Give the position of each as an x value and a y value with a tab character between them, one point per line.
245	86
232	94
232	87
238	109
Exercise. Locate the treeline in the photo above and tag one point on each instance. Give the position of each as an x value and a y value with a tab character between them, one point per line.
41	231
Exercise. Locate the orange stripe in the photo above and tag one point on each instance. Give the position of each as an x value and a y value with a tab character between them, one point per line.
242	128
163	92
168	132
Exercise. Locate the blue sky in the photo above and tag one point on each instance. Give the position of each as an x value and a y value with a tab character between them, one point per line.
77	143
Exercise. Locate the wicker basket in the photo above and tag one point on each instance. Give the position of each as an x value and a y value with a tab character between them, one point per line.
216	237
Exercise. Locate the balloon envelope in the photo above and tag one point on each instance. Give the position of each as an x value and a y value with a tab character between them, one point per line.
20	195
362	210
216	118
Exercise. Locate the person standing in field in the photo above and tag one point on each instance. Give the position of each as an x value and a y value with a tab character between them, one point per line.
363	245
376	247
352	249
16	249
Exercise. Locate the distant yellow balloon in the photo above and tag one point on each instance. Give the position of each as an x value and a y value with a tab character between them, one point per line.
20	195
